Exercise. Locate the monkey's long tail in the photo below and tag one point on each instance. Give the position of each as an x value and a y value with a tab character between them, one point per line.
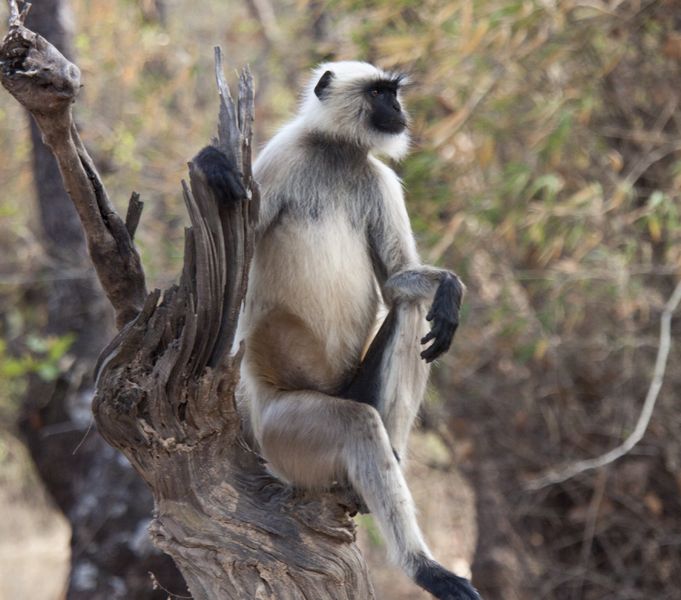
386	494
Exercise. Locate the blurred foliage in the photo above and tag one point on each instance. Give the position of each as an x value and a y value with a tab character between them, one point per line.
546	170
42	357
45	357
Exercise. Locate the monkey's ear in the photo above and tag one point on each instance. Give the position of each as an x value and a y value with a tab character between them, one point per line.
323	83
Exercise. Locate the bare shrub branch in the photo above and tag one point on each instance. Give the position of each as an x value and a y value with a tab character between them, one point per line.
568	472
46	84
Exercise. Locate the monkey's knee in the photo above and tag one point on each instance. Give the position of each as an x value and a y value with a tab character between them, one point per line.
291	463
314	441
293	446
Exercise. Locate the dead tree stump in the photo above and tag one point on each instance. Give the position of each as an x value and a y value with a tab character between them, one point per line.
166	383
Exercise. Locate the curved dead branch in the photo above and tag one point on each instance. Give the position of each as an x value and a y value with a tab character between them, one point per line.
45	83
582	466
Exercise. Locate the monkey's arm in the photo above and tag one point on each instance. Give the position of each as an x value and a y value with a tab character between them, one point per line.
226	181
446	290
404	279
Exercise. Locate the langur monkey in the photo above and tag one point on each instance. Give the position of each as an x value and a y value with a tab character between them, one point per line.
328	399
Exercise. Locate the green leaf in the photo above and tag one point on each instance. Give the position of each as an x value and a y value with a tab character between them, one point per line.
59	346
47	371
12	368
37	344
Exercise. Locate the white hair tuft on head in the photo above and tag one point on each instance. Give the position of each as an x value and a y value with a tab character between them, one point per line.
333	103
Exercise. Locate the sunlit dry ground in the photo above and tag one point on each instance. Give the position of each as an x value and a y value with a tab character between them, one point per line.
34	537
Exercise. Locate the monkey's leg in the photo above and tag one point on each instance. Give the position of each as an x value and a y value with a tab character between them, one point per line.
392	377
312	439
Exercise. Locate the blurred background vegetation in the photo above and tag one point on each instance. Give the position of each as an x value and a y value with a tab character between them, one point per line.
546	170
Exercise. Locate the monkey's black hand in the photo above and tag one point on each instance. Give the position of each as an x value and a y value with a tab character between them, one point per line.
444	317
221	174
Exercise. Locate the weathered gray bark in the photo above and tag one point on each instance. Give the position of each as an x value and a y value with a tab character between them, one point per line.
166	383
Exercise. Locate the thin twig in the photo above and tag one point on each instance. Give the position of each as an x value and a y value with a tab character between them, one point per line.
570	471
648	157
648	160
590	530
157	586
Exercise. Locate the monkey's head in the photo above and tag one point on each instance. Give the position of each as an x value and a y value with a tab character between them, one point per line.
358	103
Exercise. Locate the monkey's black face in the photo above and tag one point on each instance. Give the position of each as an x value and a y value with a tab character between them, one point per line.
386	113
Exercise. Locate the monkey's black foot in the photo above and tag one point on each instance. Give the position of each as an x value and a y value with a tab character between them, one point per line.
440	582
221	174
444	317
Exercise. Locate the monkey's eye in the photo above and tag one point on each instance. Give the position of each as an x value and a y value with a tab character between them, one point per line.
375	92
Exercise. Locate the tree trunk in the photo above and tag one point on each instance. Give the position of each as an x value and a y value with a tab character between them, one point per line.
166	383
